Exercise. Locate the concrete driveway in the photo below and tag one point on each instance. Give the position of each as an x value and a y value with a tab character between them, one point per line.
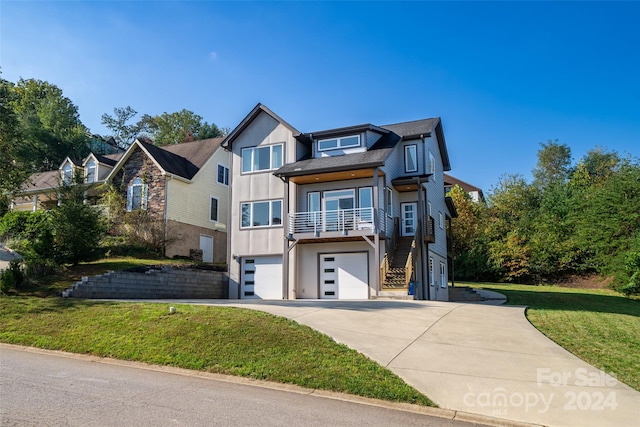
483	359
6	256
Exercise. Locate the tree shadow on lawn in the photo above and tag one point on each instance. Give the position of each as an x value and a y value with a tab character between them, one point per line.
572	301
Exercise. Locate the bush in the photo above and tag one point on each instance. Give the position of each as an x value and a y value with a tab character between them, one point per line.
13	277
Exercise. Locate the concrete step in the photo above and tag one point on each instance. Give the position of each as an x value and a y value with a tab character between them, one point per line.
463	294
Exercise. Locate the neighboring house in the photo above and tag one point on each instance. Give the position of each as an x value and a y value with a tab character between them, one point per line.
41	189
474	192
184	185
348	213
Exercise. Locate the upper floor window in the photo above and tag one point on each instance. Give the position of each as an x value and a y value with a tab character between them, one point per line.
91	171
388	195
432	163
336	143
213	209
365	197
67	174
440	220
257	159
223	175
261	214
411	158
137	195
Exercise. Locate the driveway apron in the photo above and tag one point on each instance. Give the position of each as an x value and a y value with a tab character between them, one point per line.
476	358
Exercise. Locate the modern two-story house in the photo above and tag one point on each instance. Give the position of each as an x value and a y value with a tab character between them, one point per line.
348	213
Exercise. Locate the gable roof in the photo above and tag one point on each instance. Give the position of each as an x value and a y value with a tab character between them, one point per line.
450	181
425	127
42	181
255	112
181	160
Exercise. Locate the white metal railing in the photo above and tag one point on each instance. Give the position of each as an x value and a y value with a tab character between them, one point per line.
338	220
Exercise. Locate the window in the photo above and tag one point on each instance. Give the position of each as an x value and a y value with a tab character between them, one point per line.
411	158
336	143
258	159
429	208
137	195
261	214
440	219
91	172
388	195
431	278
432	163
223	175
443	275
365	197
313	207
67	174
213	209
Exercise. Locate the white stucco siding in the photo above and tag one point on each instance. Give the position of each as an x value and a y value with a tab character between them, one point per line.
264	130
190	203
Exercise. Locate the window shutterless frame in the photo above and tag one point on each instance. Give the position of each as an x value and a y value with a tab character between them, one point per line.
337	143
411	158
260	159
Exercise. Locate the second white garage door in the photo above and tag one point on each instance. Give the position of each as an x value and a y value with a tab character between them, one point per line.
344	276
262	277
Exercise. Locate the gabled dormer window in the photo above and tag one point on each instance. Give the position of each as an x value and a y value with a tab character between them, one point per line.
67	174
90	171
338	143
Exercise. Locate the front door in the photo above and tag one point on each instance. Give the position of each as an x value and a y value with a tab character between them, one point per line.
409	219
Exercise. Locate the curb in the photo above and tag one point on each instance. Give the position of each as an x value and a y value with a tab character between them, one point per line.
290	388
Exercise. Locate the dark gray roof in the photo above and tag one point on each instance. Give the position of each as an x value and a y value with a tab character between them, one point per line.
184	160
414	128
109	159
197	152
364	160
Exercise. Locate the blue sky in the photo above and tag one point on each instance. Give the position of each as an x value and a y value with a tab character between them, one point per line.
503	76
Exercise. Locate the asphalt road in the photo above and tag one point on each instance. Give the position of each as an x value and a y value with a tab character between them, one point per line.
39	389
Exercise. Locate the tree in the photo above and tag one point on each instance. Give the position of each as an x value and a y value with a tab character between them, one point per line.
181	126
124	134
76	226
50	125
554	162
12	171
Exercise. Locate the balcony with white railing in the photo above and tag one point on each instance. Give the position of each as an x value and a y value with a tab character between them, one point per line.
336	223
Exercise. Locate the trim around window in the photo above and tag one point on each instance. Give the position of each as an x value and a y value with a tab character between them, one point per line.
339	143
222	176
267	213
411	158
262	158
214	209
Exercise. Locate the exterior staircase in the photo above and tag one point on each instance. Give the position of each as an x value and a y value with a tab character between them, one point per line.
463	294
395	278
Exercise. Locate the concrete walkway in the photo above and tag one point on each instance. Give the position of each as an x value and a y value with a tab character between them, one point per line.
6	256
483	359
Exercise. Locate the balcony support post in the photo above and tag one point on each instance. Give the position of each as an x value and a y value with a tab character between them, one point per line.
286	248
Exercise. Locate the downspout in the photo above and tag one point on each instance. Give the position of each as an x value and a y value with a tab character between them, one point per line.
168	178
285	251
424	245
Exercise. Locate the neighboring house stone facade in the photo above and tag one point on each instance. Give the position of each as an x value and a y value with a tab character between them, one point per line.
177	186
349	213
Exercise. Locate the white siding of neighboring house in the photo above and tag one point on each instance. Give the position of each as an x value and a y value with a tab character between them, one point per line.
260	186
190	202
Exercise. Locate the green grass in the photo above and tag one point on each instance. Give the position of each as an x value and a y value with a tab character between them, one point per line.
600	326
213	339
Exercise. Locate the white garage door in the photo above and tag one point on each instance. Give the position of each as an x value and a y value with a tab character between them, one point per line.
262	277
344	276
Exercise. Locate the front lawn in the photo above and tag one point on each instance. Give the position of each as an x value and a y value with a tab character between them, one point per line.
214	339
600	326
